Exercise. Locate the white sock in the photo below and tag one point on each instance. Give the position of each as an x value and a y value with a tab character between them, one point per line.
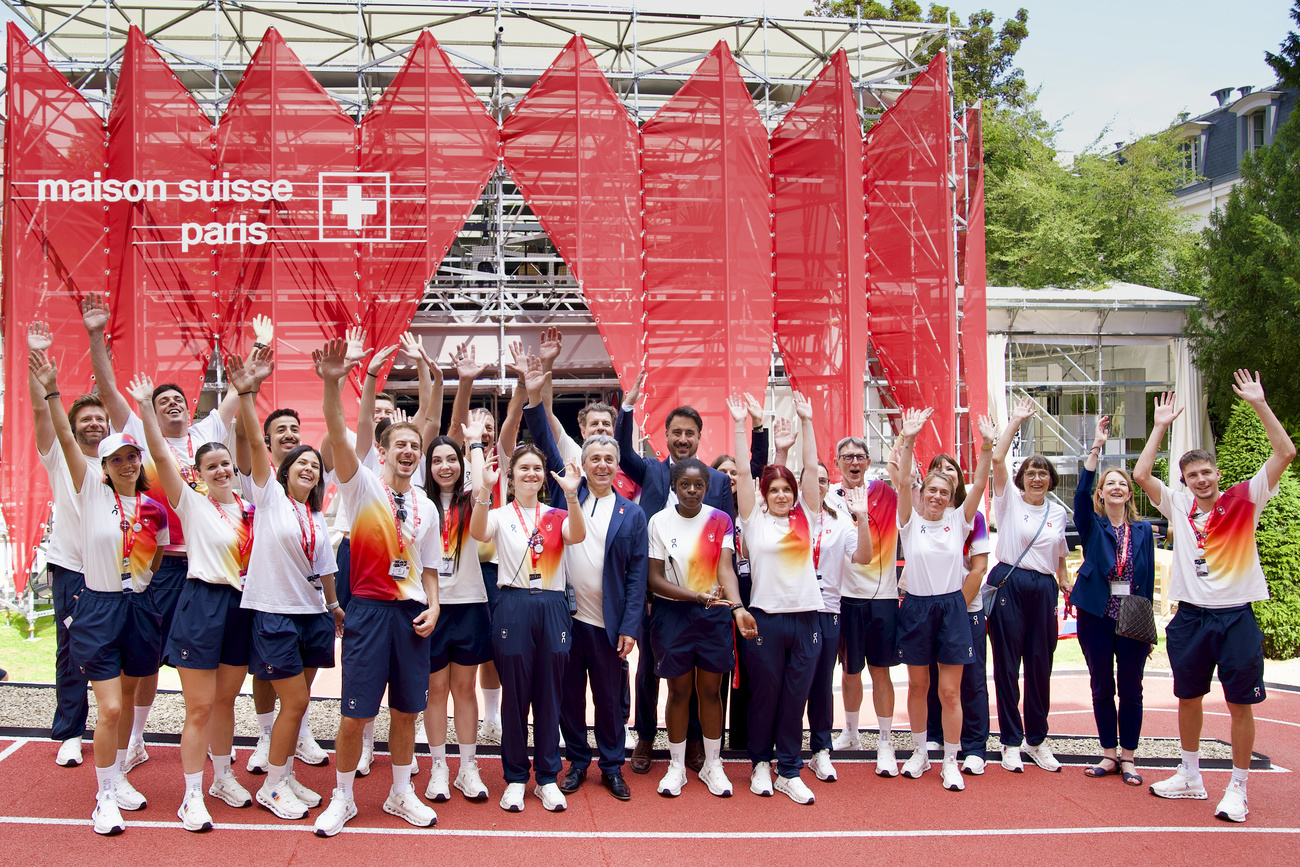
401	778
344	781
265	721
677	753
137	724
288	766
121	762
918	739
368	735
492	706
220	767
468	753
439	753
1240	775
274	774
886	726
950	751
304	727
851	722
194	782
1191	766
107	777
712	749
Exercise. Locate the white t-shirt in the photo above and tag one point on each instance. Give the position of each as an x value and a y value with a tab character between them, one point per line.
584	563
781	562
220	537
463	583
835	541
1018	522
64	548
102	539
518	561
691	547
211	429
1224	571
377	550
279	571
934	551
977	542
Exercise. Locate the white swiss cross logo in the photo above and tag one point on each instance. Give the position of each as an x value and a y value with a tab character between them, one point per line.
355	206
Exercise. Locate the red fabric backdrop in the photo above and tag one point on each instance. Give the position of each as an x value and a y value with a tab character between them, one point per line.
975	317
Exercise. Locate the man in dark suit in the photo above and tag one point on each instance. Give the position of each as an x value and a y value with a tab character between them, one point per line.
682	427
607	571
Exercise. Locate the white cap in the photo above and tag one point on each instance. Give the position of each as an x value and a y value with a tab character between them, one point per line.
115	442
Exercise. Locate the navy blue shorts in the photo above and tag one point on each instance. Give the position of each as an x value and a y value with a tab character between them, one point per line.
463	636
868	633
1200	639
209	628
381	649
934	629
284	644
114	634
166	586
686	636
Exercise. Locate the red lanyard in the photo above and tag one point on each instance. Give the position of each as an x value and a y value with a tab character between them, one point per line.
415	518
817	544
309	549
1125	536
128	528
186	467
535	539
447	520
245	546
1201	535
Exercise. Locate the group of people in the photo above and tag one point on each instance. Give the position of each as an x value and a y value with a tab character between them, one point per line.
536	569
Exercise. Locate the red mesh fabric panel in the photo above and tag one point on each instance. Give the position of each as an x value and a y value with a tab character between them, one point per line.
975	326
821	299
438	146
54	253
163	301
708	243
572	149
912	301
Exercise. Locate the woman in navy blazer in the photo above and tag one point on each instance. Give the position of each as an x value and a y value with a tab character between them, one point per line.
1118	560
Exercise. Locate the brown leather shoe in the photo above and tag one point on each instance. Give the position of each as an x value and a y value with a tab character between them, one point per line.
695	755
640	761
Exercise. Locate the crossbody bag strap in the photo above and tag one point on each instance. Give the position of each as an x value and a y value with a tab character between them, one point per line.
1037	533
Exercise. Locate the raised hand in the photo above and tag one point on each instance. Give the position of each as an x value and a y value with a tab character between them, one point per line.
783	433
1024	409
634	395
858	501
914	421
552	342
1248	388
412	350
736	405
988	430
356	345
518	363
467	368
94	312
570	480
379	359
535	375
755	409
140	389
491	470
1101	432
263	330
39	335
399	416
43	368
331	360
1164	412
803	408
473	429
241	378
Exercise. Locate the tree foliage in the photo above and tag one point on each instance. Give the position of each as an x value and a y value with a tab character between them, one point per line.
983	66
1286	63
1242	451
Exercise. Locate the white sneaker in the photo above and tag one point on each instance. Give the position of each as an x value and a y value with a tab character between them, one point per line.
933	745
1180	786
310	752
281	800
69	753
1011	760
127	797
1233	806
228	789
490	731
917	764
760	779
1041	755
674	779
469	782
714	776
336	815
822	767
847	740
951	776
260	761
407	806
512	799
193	813
552	798
973	766
367	758
304	794
108	819
439	775
886	761
136	754
795	788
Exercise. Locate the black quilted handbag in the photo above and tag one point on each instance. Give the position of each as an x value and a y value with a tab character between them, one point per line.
1137	620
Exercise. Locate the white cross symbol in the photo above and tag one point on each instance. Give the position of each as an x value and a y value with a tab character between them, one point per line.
354	206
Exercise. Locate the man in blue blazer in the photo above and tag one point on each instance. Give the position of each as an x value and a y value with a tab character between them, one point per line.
607	571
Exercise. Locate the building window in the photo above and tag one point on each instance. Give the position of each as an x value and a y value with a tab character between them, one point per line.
1191	153
1256	134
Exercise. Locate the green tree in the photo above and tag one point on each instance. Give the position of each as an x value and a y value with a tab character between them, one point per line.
1242	451
983	67
1286	63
